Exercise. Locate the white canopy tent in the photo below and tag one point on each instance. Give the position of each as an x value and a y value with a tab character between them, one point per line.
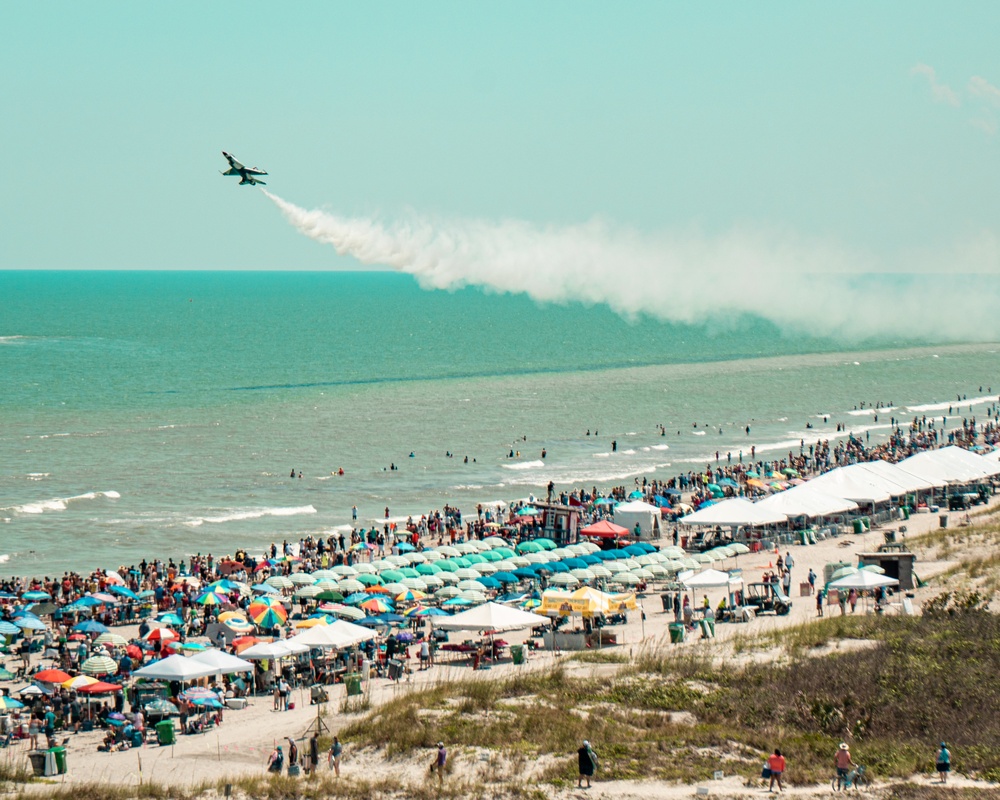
340	635
735	511
862	580
221	662
710	579
907	481
965	458
175	668
861	487
637	511
277	649
490	617
806	501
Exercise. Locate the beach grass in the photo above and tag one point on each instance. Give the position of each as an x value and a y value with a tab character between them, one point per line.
921	680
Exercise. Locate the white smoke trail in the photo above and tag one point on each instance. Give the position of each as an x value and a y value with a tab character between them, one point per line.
810	288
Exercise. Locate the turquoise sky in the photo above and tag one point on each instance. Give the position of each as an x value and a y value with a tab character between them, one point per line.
869	125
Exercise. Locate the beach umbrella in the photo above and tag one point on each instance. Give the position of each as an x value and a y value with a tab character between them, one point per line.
36	596
264	588
843	572
432	555
398	561
273	602
528	547
9	703
449	551
349	613
330	596
495	541
392	575
325	574
432	612
457	601
365	568
112	639
475	560
505	552
210	599
433	581
490	582
311	622
415	558
490	556
344	571
446	565
78	682
475	586
506	577
564	579
873	568
302	579
99	665
51	676
466	547
525	573
447	591
446	577
90	626
366	579
267	616
473	596
326	585
6	674
32	690
357	597
162	708
308	592
658	570
350	585
642	574
30	623
468	574
123	591
279	582
238	625
625	579
428	569
417	584
409	572
583	575
380	589
376	605
410	596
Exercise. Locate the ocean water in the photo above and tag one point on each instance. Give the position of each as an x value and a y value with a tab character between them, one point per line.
161	413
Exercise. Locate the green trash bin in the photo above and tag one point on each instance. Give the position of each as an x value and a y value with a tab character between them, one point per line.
708	628
60	754
676	633
352	680
859	526
517	653
906	512
165	733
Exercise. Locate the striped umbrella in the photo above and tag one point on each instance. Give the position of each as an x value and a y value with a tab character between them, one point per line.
78	682
279	582
112	639
99	665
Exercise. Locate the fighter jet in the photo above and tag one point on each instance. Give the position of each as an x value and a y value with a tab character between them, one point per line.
246	173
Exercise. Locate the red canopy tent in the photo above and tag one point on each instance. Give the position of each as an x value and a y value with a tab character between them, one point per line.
605	530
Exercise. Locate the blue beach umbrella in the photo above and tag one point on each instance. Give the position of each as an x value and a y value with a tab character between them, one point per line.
432	612
123	591
590	559
91	626
170	618
357	597
265	588
30	623
36	596
506	577
8	628
526	573
490	583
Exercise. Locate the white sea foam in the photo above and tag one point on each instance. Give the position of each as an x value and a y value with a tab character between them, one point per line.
628	452
957	405
602	455
58	503
252	513
584	477
868	412
698	433
525	465
661	447
12	339
4	558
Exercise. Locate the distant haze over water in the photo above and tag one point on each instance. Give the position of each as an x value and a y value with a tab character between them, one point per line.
161	413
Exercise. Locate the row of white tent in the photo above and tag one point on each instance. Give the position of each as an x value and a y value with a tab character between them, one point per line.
339	635
844	489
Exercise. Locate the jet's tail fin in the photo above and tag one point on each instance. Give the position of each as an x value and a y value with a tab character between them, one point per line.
230	171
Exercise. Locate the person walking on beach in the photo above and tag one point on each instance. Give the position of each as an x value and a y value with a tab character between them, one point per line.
820	596
812	581
943	763
333	758
776	763
312	762
439	763
588	764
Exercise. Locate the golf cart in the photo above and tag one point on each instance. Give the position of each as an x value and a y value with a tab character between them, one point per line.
767	598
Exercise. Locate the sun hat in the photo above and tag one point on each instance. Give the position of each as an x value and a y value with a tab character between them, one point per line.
843	746
440	744
586	743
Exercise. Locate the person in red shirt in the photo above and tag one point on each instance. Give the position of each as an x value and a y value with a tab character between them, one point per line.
844	764
776	763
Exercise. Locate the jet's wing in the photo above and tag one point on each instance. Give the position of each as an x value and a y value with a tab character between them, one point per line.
232	161
254	171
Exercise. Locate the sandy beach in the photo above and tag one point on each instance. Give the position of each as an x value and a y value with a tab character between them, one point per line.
242	744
